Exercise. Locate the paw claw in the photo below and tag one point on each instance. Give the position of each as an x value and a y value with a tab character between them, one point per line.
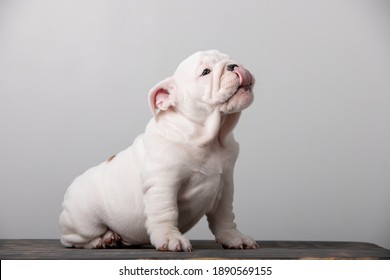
164	247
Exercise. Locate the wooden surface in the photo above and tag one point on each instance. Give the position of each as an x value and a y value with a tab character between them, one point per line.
202	249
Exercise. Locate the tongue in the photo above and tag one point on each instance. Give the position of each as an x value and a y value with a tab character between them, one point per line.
245	76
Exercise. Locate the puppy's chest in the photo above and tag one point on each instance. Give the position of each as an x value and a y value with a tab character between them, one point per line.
200	189
210	165
203	183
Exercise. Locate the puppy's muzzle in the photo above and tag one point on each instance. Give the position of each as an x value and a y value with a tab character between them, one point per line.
244	75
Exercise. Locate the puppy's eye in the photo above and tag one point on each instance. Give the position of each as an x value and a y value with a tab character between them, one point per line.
206	72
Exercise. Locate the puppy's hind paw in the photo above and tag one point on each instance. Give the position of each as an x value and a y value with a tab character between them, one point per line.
110	239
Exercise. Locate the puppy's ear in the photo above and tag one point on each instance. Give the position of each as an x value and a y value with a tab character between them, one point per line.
162	96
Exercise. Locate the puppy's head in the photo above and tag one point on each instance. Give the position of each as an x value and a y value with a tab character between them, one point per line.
203	82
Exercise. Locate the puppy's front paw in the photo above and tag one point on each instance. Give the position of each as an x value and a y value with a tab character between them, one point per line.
233	239
171	241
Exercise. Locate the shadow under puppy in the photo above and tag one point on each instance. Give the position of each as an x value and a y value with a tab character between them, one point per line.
179	170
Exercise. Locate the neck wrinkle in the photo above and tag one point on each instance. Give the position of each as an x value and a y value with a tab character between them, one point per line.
180	128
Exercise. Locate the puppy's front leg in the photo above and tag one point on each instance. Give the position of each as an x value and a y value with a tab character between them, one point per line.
160	198
221	220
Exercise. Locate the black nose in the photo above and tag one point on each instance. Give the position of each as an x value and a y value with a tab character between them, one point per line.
231	67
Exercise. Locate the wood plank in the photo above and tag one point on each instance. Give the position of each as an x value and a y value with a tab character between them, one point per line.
202	249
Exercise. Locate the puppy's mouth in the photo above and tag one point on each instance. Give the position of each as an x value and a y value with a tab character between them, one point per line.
242	90
245	87
246	78
239	87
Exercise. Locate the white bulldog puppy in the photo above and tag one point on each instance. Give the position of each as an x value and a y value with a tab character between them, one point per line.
179	170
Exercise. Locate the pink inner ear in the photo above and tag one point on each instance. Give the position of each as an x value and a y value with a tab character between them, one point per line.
162	99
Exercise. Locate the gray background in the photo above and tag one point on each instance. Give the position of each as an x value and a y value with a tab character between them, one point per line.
315	154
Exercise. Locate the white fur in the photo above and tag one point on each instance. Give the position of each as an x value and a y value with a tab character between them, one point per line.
179	170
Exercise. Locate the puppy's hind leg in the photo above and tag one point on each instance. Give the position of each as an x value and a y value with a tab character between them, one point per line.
78	241
79	233
108	239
